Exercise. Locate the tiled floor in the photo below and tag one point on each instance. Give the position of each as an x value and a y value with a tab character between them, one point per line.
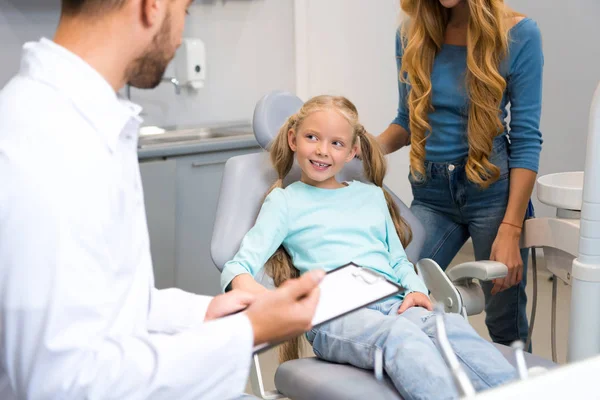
541	333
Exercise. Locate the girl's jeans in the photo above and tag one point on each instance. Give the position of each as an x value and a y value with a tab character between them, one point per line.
411	358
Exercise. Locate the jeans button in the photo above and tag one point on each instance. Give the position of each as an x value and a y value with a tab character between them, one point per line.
451	167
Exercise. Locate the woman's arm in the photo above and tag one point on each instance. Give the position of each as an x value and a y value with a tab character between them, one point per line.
525	95
393	138
506	246
521	187
258	245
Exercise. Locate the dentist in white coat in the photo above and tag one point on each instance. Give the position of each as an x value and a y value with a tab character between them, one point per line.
79	315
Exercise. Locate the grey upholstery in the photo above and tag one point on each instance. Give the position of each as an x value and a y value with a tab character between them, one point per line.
271	112
314	379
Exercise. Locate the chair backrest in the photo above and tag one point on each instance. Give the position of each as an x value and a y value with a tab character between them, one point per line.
271	112
247	178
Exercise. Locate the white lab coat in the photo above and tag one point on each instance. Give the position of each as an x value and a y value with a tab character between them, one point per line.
80	317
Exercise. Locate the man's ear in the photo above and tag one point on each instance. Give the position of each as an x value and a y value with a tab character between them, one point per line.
292	140
152	12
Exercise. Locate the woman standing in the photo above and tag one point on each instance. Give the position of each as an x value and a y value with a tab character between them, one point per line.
460	63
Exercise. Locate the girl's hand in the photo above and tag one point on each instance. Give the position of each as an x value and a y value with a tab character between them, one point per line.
506	250
247	283
228	303
415	299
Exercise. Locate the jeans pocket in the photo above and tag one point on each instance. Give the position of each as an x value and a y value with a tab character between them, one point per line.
317	353
310	335
417	180
499	157
315	347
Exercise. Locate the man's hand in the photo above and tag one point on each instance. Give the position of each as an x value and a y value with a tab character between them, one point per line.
415	299
287	311
228	303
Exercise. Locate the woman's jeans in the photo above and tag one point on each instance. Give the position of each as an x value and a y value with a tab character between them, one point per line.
453	209
411	358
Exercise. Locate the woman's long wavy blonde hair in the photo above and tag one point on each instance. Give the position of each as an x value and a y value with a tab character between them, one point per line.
280	266
487	45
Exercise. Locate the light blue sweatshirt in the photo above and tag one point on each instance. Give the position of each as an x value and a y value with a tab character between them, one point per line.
326	228
522	70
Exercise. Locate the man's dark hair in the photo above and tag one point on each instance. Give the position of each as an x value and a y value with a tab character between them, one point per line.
90	7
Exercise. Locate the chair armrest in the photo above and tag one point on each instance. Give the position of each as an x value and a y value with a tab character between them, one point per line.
455	287
440	287
481	270
472	297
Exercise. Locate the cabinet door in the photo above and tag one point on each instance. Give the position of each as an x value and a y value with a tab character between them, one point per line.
198	185
158	180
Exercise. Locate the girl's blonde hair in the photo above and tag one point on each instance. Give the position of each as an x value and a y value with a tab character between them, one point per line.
487	45
279	266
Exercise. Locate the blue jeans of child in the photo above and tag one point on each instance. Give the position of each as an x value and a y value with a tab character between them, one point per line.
410	356
453	209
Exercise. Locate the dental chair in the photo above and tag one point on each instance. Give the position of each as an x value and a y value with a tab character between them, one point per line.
246	179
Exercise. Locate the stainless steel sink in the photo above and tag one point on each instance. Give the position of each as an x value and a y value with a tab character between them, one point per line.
177	135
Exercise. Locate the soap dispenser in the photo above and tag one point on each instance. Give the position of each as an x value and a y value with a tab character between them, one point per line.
190	63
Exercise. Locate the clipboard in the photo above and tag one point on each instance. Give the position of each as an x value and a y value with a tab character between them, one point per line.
344	290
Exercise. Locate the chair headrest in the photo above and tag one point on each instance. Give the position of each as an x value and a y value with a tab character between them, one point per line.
271	112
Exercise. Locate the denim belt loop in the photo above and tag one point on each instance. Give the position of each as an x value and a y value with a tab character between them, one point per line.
428	168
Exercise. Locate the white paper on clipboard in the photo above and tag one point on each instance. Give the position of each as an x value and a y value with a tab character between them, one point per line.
346	289
350	288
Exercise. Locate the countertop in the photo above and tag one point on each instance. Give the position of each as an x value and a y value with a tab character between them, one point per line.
235	136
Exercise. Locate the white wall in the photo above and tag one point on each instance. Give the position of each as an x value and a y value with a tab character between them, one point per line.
250	51
20	22
350	51
249	44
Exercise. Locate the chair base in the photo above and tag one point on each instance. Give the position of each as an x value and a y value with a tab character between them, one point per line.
314	379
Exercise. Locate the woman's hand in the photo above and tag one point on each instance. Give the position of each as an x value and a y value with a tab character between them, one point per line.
415	299
358	149
506	249
378	140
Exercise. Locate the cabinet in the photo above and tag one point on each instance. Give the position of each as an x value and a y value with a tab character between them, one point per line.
181	195
158	181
